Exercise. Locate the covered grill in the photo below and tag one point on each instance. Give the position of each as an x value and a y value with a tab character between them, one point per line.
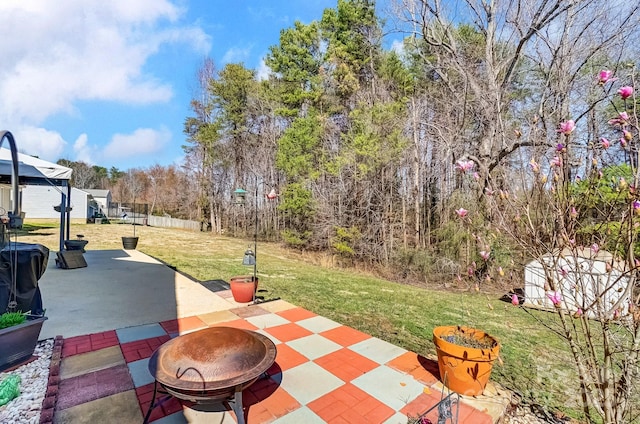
211	365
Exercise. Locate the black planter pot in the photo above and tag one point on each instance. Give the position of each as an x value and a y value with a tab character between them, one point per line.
129	242
17	343
75	244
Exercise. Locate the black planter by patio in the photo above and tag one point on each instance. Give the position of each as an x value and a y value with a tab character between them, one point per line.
129	242
75	244
18	342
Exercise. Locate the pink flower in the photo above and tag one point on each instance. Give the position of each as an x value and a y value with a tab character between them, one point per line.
514	300
563	272
627	135
555	297
578	313
636	206
595	248
484	254
604	76
623	143
605	143
464	165
462	212
476	176
622	119
574	212
625	92
556	161
567	127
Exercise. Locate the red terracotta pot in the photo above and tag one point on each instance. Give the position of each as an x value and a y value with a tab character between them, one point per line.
243	288
465	370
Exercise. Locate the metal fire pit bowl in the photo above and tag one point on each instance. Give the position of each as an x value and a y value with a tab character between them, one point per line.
212	365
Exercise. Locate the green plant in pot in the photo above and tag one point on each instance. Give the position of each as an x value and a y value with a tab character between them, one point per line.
18	337
9	319
465	358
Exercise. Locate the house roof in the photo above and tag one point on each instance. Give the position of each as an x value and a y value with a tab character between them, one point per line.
96	192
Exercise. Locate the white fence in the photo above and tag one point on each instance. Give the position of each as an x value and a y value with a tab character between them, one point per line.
167	222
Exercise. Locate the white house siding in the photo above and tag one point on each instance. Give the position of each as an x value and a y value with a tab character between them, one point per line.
102	198
38	202
5	198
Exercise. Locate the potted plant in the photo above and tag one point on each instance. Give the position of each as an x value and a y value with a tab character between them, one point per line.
18	337
135	189
465	358
244	288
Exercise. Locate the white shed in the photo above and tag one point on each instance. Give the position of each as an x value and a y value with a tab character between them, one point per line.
580	277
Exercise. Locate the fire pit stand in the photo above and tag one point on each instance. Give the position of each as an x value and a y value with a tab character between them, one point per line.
210	366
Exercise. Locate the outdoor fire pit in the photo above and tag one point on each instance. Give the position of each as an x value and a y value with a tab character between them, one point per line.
211	366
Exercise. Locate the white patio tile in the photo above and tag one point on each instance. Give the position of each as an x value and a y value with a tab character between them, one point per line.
391	387
378	350
309	381
314	346
318	324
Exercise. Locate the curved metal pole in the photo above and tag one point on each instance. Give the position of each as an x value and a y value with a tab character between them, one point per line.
14	170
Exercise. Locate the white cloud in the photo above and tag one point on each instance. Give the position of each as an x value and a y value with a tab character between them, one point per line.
82	149
47	145
236	54
263	71
398	47
57	53
142	141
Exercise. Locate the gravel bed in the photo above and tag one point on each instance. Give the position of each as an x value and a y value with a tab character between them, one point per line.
25	409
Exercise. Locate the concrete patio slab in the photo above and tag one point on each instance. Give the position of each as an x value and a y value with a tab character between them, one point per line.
119	289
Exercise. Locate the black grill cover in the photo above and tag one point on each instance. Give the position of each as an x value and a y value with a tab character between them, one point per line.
32	262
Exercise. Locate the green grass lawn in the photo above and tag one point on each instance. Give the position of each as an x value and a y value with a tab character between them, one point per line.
534	361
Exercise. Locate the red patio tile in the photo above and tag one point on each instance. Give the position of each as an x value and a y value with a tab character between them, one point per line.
88	343
349	404
345	336
267	401
183	325
421	404
296	314
288	332
87	387
141	349
346	364
287	358
469	415
418	366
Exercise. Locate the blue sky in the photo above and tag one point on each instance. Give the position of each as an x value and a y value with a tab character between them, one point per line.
109	82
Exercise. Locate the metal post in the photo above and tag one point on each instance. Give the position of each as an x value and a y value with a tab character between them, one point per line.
255	242
63	202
